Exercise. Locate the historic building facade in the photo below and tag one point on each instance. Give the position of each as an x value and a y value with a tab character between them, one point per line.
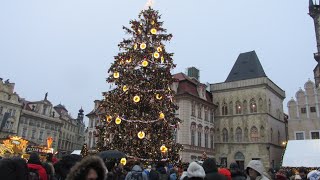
196	110
39	121
10	109
91	129
72	135
249	119
304	111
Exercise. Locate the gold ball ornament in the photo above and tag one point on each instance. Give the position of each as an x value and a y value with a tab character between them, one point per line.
123	161
159	49
145	63
141	134
152	22
118	120
125	88
129	60
161	115
163	149
156	55
143	45
109	118
139	31
158	96
153	31
136	99
135	46
116	75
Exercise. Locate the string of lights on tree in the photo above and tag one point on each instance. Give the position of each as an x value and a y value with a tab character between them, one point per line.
139	113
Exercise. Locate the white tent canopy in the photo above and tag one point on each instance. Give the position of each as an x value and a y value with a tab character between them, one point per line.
302	153
77	152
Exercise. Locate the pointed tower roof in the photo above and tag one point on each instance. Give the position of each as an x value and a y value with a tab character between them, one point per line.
247	66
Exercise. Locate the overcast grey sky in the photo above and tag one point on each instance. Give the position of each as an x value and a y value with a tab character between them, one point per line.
66	47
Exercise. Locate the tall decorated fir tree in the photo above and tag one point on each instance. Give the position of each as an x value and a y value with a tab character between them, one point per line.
139	113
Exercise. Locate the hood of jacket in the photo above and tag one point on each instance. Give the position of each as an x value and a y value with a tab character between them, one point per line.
257	166
209	165
137	168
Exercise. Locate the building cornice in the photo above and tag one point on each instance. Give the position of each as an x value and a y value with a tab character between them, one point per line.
40	116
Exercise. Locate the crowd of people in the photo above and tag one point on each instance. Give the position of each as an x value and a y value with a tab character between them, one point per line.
74	167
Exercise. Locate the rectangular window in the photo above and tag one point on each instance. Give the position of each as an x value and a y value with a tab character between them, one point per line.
206	140
303	110
24	132
192	138
199	139
212	141
211	116
299	136
315	135
199	112
206	114
193	109
312	109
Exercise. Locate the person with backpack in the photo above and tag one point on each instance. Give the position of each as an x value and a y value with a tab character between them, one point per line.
136	173
13	169
35	168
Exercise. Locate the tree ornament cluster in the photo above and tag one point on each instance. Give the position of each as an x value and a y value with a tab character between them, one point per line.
139	113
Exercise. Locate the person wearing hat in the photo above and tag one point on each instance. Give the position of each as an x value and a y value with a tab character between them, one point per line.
255	171
211	169
196	172
236	174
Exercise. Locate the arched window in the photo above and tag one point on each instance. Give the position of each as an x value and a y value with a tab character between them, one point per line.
254	134
238	134
224	135
206	137
239	156
253	106
238	107
245	107
211	138
230	107
193	133
224	109
271	135
262	133
199	135
260	105
218	135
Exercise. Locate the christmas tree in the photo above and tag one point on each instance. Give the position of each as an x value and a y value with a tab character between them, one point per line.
84	150
139	113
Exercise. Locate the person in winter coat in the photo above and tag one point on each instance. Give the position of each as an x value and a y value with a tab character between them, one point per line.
13	169
173	174
136	170
90	168
255	171
211	169
35	164
236	174
195	172
63	166
225	172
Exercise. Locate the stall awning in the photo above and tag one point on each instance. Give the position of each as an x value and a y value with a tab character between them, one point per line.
302	153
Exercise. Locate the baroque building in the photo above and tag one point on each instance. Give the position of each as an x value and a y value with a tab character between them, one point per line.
91	129
38	121
304	117
72	130
249	118
10	109
196	111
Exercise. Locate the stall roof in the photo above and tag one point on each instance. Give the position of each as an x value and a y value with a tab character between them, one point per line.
77	152
302	153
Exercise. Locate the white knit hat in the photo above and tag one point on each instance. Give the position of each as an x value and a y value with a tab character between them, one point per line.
195	170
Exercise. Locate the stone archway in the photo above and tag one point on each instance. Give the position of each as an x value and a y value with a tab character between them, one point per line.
239	158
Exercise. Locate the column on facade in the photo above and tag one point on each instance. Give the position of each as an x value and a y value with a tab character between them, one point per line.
307	106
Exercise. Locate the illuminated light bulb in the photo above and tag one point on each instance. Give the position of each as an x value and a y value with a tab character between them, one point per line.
118	120
123	161
116	74
109	118
158	96
145	63
125	88
152	22
135	46
141	134
139	31
156	55
153	31
163	149
161	116
143	45
136	99
129	60
159	49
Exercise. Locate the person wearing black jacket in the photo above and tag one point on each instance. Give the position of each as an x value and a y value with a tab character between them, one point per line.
211	169
236	174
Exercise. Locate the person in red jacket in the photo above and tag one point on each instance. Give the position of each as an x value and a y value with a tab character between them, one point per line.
35	164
